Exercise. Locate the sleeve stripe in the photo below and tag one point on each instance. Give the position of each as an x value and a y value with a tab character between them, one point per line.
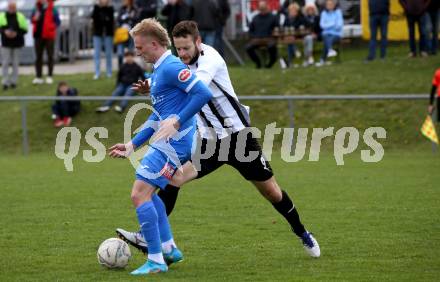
190	86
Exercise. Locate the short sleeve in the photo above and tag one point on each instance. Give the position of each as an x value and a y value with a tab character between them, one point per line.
180	76
207	68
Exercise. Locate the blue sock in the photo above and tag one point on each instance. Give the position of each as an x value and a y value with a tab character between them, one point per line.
164	225
147	217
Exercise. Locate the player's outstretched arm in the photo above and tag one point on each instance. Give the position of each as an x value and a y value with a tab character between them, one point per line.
199	95
141	87
168	127
121	150
148	129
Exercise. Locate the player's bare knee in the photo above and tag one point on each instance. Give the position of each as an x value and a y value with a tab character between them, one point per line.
273	194
135	199
183	175
177	180
271	191
139	194
276	196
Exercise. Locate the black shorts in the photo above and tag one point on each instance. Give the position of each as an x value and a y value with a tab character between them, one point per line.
256	169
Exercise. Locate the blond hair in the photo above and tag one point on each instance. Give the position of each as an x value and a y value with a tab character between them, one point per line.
152	28
293	6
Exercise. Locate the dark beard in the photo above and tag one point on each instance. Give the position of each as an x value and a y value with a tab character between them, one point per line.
195	58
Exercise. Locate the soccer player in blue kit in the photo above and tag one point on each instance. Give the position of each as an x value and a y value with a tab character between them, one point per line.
177	95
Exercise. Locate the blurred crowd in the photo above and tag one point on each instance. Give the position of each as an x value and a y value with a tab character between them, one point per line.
303	23
211	16
296	22
294	29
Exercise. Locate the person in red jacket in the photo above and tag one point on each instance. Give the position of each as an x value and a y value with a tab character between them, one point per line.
435	88
45	20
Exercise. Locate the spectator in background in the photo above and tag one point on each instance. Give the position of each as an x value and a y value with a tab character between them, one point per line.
433	10
146	8
379	14
127	18
415	14
320	4
13	27
331	23
175	11
64	110
435	90
224	13
103	30
261	31
284	9
129	73
311	23
293	21
205	14
45	20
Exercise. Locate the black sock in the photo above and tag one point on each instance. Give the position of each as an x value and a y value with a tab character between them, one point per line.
285	208
169	197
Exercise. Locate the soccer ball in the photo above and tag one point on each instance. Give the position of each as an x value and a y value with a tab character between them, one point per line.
114	253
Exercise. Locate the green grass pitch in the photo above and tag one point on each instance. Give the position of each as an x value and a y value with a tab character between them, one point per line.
374	222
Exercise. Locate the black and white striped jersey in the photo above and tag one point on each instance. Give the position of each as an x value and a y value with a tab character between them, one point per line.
224	112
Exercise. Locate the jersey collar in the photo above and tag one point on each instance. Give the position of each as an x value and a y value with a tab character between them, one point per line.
161	59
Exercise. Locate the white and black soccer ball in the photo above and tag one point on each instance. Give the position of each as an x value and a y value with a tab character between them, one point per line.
114	253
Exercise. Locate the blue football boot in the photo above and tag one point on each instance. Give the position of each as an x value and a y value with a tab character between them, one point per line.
174	256
150	267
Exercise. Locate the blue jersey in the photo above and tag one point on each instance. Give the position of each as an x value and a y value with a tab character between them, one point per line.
174	91
170	82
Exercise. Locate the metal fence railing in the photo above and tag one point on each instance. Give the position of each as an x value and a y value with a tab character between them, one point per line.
75	37
24	100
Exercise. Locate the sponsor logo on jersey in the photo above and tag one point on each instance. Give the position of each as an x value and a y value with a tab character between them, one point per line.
167	171
158	99
184	75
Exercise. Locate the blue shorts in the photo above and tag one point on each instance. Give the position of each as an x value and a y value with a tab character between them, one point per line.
155	169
